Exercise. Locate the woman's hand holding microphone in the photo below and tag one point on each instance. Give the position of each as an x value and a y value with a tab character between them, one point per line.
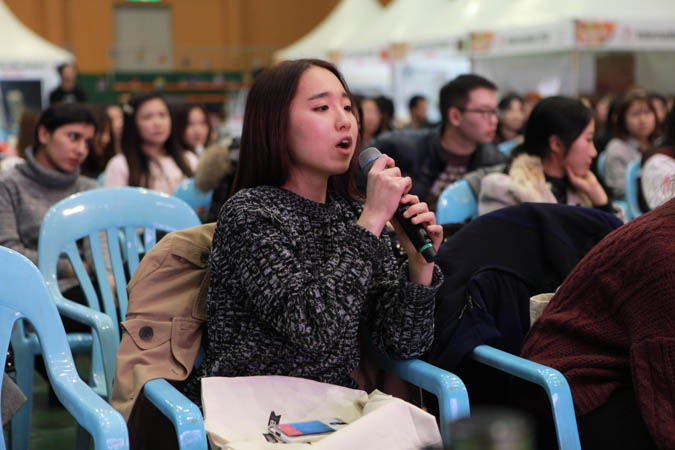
386	191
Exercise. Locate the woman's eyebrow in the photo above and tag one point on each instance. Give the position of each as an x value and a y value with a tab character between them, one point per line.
324	94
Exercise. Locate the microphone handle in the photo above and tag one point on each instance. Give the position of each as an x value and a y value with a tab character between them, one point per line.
417	235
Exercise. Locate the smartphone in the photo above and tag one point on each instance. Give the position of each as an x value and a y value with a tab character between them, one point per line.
308	431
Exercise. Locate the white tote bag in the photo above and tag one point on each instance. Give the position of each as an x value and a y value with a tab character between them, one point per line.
237	411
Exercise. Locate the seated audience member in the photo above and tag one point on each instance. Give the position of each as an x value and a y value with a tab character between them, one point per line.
511	121
552	165
605	120
371	119
657	180
50	173
116	116
609	330
192	126
417	105
660	107
634	133
387	112
103	148
150	157
296	263
437	157
67	92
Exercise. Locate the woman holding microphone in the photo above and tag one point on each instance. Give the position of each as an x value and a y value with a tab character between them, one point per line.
298	262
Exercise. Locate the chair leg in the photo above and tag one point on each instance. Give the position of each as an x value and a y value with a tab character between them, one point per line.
21	422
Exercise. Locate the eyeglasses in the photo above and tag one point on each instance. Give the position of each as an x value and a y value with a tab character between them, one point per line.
486	114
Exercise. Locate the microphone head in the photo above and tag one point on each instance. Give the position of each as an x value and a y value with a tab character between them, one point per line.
367	157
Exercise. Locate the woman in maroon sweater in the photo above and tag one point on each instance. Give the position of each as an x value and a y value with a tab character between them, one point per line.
610	329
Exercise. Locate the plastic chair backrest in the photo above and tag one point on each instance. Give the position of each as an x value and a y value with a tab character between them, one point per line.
188	192
457	203
24	295
108	211
632	177
601	165
506	147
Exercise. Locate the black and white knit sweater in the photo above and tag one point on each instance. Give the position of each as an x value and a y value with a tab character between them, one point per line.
290	281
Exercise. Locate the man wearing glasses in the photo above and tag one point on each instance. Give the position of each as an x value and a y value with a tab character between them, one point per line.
438	157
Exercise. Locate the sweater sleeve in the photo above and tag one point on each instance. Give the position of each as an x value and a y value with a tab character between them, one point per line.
9	231
653	372
310	305
402	313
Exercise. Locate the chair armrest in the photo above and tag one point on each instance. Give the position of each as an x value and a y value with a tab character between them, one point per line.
550	379
453	400
185	415
106	426
104	327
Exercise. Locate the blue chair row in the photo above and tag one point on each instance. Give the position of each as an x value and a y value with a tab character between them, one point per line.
24	296
115	212
85	214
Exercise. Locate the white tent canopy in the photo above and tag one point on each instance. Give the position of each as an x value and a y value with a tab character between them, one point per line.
394	24
553	46
25	57
349	18
381	60
457	18
23	46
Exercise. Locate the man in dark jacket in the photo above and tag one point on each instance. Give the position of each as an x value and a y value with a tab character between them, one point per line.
438	157
67	92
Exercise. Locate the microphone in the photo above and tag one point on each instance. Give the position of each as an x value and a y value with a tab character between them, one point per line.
416	233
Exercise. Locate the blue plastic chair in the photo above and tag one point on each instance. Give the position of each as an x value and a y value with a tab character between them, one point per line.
601	165
453	400
506	147
553	382
117	212
632	178
188	192
457	203
24	296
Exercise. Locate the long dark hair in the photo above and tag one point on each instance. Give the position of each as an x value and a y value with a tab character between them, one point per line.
504	105
558	116
181	119
139	172
265	154
99	154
